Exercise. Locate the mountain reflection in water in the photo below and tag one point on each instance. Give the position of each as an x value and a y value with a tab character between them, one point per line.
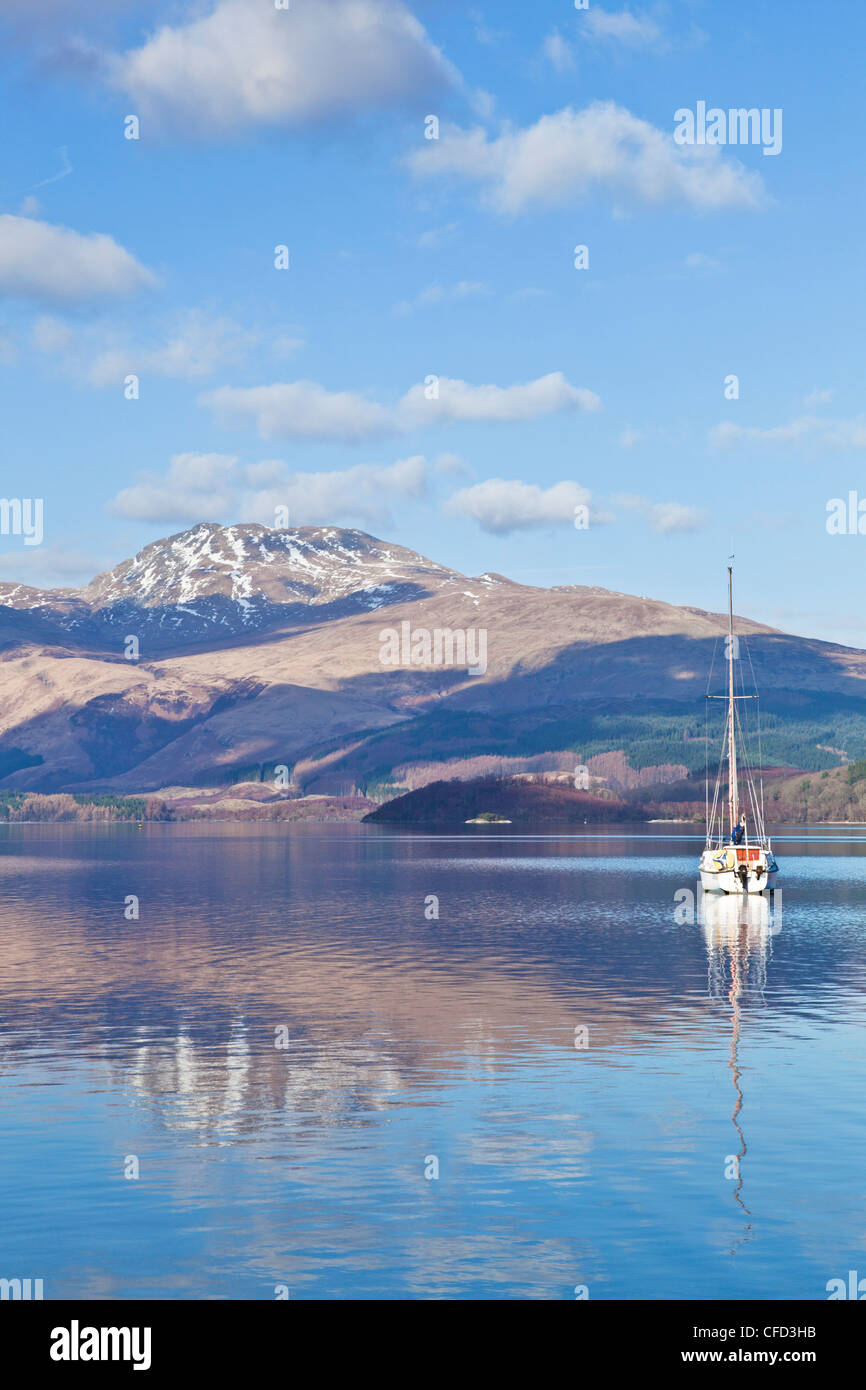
284	1041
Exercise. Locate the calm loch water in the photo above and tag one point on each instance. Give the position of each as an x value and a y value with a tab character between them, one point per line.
287	1050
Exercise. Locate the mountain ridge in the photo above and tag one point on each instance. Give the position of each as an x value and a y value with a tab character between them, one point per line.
262	648
320	565
243	577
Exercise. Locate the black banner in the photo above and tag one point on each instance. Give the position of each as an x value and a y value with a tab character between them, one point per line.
156	1338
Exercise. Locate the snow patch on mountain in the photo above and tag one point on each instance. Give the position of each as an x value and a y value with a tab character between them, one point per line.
239	578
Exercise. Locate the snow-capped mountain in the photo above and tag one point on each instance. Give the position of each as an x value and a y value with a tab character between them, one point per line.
261	648
228	580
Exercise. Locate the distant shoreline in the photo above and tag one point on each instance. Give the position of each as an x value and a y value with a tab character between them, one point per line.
525	805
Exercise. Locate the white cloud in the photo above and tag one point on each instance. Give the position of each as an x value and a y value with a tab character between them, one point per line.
568	154
458	401
634	30
360	494
664	517
57	265
837	434
190	347
558	51
726	435
194	348
247	63
306	410
501	506
206	487
300	410
197	487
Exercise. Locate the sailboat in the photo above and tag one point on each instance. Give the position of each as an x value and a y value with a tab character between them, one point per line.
738	857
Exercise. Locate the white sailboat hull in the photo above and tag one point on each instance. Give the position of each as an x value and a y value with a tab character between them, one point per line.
730	882
730	869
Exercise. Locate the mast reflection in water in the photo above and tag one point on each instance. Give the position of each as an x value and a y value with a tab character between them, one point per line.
738	930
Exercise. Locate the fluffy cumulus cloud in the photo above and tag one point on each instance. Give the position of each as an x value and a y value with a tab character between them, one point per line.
306	410
502	506
247	63
452	400
197	487
300	410
55	265
571	153
362	494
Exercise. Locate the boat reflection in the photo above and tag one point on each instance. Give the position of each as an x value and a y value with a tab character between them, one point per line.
738	931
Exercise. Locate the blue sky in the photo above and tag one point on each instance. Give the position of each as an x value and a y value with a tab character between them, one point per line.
411	258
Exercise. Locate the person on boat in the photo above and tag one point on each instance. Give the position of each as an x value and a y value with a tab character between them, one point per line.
739	831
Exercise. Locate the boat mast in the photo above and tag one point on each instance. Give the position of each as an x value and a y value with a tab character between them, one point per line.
733	796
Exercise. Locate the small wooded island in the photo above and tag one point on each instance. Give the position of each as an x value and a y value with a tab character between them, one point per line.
519	802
